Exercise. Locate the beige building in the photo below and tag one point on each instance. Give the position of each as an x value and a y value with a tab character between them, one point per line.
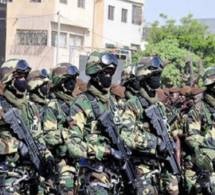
85	25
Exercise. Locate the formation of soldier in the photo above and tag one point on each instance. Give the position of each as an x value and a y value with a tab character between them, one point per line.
59	135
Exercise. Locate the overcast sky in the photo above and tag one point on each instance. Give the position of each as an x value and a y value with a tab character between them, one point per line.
176	9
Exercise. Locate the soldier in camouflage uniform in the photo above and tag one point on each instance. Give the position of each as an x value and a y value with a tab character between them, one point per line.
38	89
55	123
128	80
85	138
201	137
136	130
17	172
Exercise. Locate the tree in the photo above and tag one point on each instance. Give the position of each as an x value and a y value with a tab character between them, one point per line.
190	45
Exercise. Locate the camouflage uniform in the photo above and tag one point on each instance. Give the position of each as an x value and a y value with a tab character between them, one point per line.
137	135
128	80
55	123
85	140
201	139
18	174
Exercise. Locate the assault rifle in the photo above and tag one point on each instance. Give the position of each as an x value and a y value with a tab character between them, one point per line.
155	116
110	127
14	118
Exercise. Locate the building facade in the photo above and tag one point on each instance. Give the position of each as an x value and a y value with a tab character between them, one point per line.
47	32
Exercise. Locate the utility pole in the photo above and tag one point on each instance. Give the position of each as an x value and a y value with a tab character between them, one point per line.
58	37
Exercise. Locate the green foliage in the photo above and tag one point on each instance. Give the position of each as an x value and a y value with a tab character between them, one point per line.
177	44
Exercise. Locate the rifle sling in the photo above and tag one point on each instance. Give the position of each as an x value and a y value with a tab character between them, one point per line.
95	104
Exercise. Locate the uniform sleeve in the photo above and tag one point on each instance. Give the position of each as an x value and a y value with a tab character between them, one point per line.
195	137
76	137
51	125
135	138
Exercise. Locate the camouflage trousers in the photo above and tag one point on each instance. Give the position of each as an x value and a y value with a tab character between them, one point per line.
67	183
95	183
153	181
199	184
19	182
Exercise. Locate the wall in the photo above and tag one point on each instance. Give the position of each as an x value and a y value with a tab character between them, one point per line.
125	33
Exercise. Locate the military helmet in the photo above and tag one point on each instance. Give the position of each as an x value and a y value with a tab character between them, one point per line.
209	76
63	72
98	61
37	78
148	66
128	74
11	67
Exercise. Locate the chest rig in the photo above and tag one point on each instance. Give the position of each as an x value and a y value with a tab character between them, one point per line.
97	111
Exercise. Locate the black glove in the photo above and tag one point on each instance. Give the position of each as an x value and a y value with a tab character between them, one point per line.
116	153
50	164
23	149
161	146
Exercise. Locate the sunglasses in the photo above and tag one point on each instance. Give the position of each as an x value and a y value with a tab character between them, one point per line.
156	62
72	71
22	67
108	59
43	73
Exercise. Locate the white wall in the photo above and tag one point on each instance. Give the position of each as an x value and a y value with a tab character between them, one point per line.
125	33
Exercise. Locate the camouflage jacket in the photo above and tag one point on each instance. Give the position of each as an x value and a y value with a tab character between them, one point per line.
55	120
84	139
201	127
136	128
9	141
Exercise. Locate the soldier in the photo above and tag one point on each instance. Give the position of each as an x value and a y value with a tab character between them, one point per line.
85	138
55	123
200	137
38	89
196	95
18	170
136	130
129	81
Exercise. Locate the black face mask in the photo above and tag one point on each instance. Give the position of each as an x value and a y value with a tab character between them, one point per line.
20	85
135	85
44	89
70	84
105	81
153	81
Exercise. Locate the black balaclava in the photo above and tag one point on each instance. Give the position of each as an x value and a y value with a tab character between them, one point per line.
135	85
20	85
105	81
153	81
69	84
44	90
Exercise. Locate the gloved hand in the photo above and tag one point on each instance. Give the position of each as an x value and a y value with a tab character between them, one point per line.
50	164
116	154
161	146
23	149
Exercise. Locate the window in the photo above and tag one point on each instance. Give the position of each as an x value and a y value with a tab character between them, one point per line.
63	1
31	37
76	40
124	15
110	12
6	1
35	1
136	15
81	3
135	46
62	39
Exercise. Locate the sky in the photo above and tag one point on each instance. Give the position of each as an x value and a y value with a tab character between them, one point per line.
176	9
